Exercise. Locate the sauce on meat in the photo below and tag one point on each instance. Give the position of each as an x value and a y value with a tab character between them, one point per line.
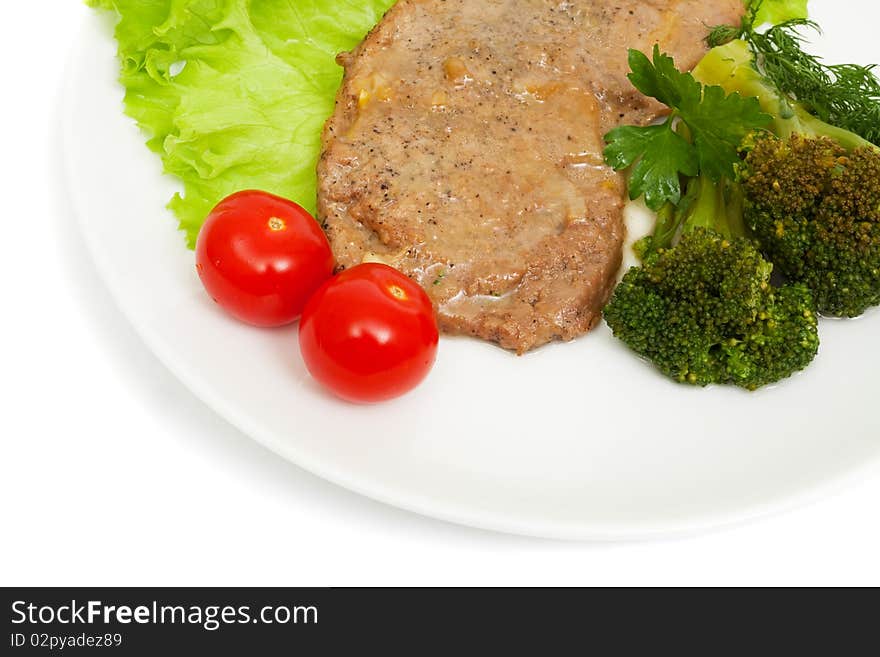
466	150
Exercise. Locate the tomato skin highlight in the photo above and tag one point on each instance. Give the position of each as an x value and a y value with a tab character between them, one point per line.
369	334
261	257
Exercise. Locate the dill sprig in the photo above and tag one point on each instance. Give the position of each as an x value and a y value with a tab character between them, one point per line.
844	95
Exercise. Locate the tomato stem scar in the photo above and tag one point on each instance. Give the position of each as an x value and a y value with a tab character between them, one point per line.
277	224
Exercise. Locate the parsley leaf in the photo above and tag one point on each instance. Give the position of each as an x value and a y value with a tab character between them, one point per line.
717	124
660	79
660	155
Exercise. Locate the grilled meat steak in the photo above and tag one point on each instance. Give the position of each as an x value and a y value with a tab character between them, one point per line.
466	150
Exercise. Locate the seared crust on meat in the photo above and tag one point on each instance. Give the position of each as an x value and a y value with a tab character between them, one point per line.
466	150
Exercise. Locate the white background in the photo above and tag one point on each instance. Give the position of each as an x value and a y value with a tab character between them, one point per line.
112	473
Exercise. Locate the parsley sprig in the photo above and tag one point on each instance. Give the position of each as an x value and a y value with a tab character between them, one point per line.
701	135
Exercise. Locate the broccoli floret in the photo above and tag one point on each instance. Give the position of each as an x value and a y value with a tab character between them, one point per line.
815	209
702	308
805	197
811	191
705	312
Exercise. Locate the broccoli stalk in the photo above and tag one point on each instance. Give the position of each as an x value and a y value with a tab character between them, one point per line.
811	190
802	198
806	190
702	308
732	67
716	206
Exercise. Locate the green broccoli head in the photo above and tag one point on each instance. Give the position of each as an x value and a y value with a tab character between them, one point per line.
705	312
815	209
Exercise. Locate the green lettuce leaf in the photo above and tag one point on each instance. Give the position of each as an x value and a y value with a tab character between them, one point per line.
233	94
778	11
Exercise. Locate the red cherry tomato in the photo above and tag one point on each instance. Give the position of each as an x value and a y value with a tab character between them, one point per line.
369	334
261	257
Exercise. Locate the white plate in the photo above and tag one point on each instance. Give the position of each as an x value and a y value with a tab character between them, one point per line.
579	441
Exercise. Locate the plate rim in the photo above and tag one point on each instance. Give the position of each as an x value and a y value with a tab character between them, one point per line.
450	512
